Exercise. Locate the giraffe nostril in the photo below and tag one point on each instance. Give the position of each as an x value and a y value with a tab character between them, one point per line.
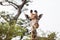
36	25
30	19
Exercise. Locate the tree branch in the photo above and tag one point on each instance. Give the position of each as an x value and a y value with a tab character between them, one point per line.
1	3
12	3
4	17
20	8
14	6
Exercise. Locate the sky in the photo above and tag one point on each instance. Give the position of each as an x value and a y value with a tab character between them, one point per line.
50	9
50	20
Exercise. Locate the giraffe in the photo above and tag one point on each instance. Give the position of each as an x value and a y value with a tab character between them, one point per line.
34	18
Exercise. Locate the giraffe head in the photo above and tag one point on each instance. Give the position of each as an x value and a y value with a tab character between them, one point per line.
34	18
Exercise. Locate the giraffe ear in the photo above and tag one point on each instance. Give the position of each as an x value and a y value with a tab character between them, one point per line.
26	16
40	16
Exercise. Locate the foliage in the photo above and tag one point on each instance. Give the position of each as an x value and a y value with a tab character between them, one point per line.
50	37
10	30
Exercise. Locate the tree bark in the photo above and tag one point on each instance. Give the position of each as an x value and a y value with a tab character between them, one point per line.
19	9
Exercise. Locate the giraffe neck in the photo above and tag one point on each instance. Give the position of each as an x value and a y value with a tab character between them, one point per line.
33	34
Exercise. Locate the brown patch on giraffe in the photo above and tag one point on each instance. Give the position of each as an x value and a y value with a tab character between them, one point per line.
36	25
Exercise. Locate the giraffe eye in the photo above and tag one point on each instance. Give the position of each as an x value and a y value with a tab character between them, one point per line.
30	19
